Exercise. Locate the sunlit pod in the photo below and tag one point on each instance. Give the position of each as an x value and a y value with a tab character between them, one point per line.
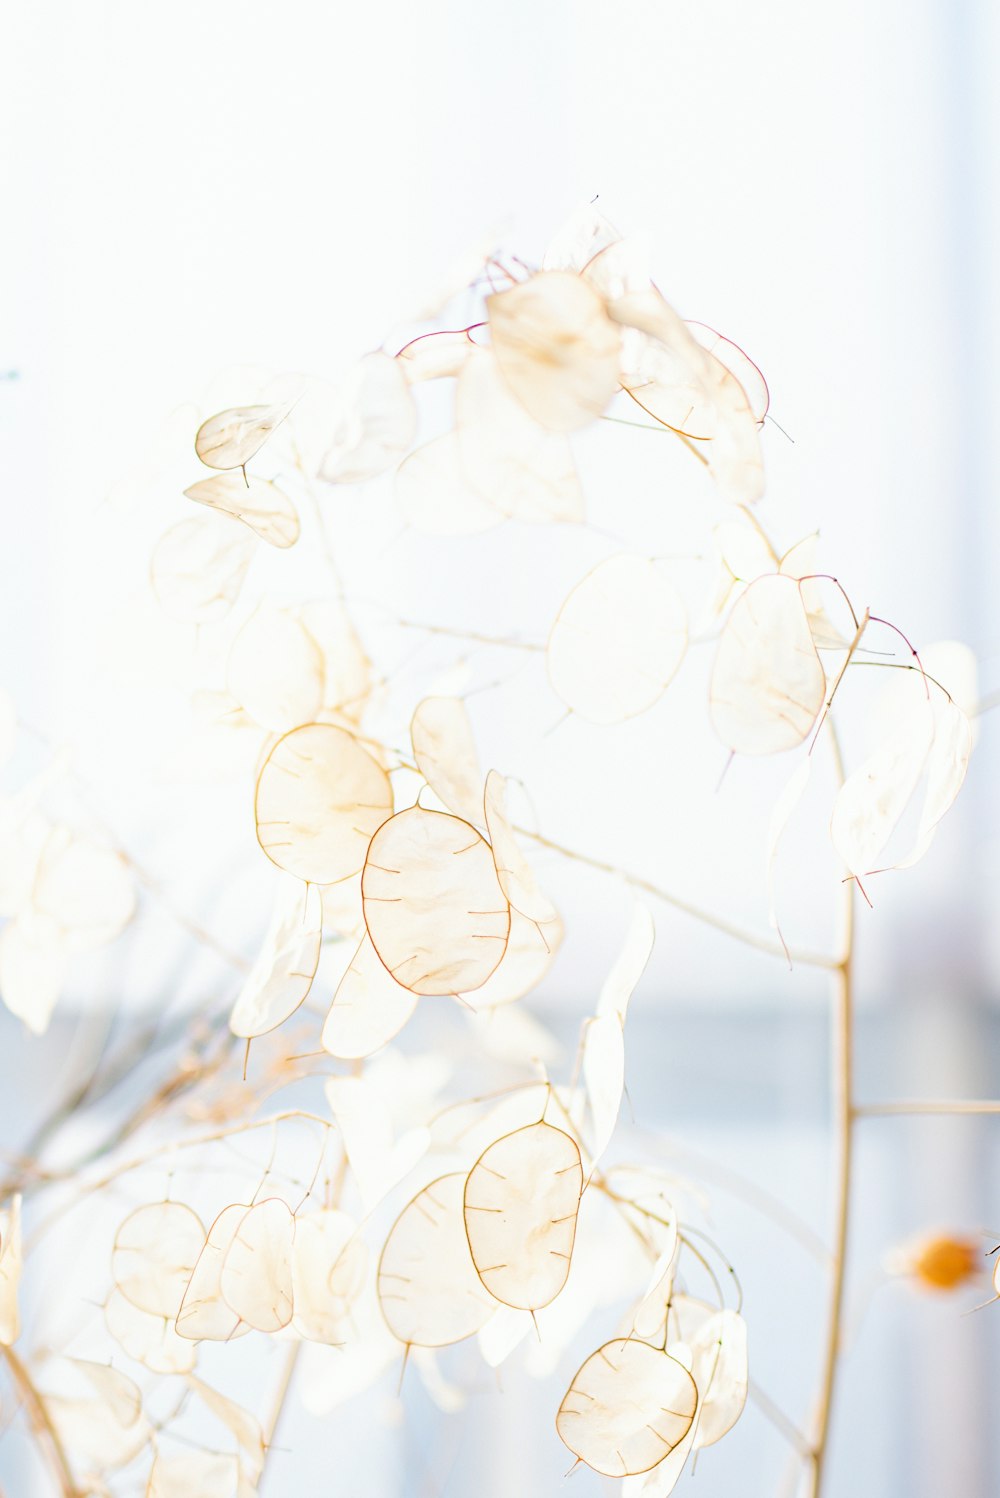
627	1408
240	1423
106	1428
275	670
328	1271
739	364
194	1474
436	495
203	1313
436	356
719	1368
522	469
283	973
149	1339
531	950
517	878
231	438
557	348
522	1197
256	1279
377	425
768	683
368	1009
154	1254
199	565
680	384
320	797
445	752
617	640
433	906
428	1287
261	505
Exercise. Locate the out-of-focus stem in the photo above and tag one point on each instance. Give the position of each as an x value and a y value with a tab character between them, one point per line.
706	917
842	1106
41	1424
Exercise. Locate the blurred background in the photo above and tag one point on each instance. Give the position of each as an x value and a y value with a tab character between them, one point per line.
197	189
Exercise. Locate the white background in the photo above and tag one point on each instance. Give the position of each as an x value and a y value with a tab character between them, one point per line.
193	187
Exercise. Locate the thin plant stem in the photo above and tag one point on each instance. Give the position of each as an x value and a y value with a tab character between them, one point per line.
918	1107
781	1422
842	1104
41	1424
706	917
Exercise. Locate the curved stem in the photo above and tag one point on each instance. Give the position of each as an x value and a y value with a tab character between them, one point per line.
706	917
41	1423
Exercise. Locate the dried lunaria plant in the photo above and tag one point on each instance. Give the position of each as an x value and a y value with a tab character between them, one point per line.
407	1215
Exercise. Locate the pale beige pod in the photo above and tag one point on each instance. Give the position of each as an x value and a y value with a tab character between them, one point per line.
768	684
617	640
521	1202
557	348
433	905
151	1340
154	1254
369	1007
198	566
320	797
428	1288
627	1407
231	438
256	1279
445	752
204	1314
258	503
283	973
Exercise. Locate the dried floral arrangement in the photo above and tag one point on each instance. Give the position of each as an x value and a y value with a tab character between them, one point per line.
414	1209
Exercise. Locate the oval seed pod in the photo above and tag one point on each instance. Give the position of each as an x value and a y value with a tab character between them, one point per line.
204	1314
283	974
719	1367
517	878
151	1340
320	797
256	1280
627	1408
434	909
739	364
154	1254
768	683
198	567
275	670
519	468
376	422
436	495
368	1009
328	1271
231	438
258	503
194	1474
617	641
445	752
521	1202
687	388
531	950
428	1288
557	348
